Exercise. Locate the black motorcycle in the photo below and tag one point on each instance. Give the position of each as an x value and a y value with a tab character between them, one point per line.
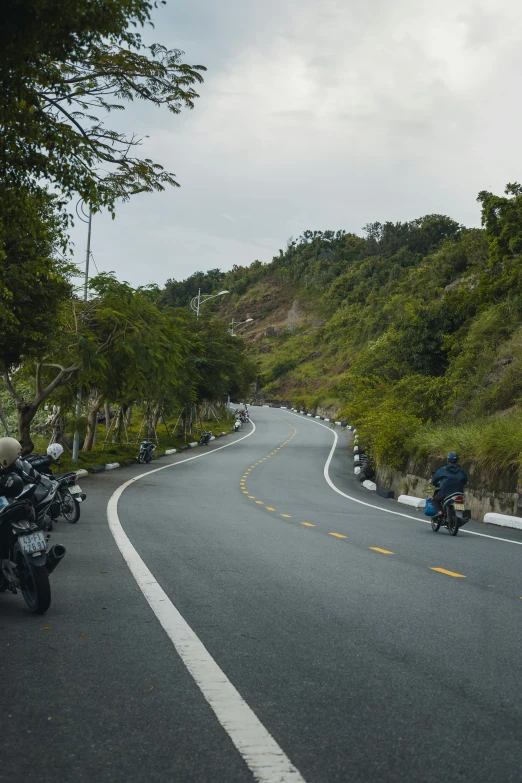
25	562
68	494
454	515
147	449
205	437
45	497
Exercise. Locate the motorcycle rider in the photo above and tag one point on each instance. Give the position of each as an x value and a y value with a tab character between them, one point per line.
448	480
10	450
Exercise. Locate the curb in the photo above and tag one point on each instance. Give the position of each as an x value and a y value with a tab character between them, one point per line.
503	520
386	493
410	500
133	460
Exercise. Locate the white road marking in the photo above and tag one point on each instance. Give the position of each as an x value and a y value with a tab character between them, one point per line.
379	508
263	756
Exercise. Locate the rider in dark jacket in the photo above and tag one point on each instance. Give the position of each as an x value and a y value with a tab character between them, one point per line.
448	480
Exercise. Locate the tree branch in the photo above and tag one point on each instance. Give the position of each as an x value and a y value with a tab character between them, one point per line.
61	379
10	388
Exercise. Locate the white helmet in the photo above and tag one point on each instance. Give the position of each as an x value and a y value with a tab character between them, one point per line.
10	450
55	451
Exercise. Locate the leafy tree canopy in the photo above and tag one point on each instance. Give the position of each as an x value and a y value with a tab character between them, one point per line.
63	68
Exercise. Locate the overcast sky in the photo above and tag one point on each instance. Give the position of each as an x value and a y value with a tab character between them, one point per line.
319	114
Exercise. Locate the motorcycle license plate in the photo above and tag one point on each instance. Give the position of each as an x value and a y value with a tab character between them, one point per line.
459	506
34	542
75	490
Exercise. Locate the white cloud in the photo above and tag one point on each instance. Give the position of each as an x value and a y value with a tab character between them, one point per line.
322	114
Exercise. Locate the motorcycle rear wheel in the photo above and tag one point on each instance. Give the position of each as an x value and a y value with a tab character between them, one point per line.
453	522
69	508
35	587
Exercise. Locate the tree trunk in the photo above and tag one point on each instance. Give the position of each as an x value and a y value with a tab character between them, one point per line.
107	416
155	419
92	420
25	414
4	420
129	416
122	410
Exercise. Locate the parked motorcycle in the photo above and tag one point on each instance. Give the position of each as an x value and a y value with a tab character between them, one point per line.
237	425
45	499
68	494
204	439
454	514
147	449
25	562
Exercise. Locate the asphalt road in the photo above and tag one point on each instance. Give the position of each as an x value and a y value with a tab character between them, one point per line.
322	616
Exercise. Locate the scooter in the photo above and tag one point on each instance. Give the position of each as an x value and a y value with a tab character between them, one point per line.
147	449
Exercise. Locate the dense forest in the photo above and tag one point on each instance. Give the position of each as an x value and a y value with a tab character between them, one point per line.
413	331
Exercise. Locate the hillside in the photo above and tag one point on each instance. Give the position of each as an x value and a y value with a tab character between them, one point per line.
413	331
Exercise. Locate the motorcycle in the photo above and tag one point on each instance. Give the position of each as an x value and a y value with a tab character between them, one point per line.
68	494
45	499
237	425
454	514
25	562
204	439
147	449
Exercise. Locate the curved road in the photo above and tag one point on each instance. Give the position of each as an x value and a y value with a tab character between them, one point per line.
271	628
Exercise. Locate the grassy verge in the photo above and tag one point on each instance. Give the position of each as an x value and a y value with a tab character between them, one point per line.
493	444
117	452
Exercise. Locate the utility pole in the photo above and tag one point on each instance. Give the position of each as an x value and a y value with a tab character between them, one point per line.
76	439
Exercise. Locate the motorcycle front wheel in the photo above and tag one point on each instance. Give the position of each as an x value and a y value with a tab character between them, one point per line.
35	587
435	524
141	458
69	508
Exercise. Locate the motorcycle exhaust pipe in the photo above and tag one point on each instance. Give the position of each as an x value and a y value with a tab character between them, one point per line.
54	556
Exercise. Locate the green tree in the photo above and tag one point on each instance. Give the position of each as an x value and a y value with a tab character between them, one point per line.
66	66
34	277
118	343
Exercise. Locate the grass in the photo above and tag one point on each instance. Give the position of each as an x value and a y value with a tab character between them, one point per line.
117	452
493	444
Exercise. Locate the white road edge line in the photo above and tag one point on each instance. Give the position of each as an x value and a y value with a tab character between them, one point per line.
263	756
379	508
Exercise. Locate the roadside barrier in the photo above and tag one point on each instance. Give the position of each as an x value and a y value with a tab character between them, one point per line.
503	520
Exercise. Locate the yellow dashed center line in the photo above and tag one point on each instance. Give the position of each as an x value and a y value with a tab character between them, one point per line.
383	551
337	535
308	524
263	459
449	573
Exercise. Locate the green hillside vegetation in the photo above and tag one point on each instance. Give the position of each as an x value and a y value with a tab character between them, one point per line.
412	332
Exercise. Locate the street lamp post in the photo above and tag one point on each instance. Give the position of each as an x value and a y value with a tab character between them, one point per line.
83	217
198	300
239	323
